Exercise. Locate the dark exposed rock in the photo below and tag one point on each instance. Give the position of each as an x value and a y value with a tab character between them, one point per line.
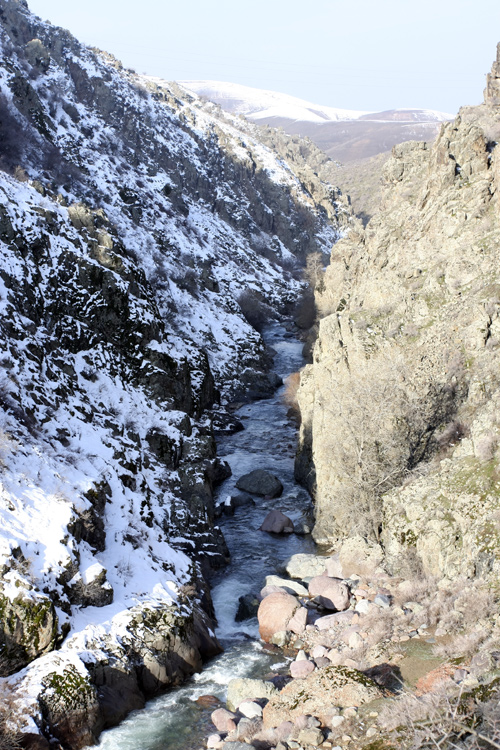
492	90
28	628
248	605
260	482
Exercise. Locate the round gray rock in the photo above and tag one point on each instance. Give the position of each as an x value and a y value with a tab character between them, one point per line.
260	482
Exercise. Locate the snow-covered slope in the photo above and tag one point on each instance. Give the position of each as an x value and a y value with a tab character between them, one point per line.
138	225
259	104
344	135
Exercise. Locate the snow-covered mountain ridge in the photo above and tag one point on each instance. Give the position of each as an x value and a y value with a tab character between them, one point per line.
260	104
137	226
344	135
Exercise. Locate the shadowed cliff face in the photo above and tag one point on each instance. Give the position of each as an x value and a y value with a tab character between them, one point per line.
133	219
400	406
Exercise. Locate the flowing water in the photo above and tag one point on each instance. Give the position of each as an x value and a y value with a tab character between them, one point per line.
174	721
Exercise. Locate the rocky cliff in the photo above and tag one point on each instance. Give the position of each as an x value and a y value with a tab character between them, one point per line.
138	230
399	437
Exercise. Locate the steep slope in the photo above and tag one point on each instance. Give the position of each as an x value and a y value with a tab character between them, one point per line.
136	229
400	426
344	135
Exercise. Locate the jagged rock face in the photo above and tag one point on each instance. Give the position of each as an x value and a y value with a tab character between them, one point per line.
492	90
133	220
399	433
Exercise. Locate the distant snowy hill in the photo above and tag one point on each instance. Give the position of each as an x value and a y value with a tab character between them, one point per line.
259	104
345	135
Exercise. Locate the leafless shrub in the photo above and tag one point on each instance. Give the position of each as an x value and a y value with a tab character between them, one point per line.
486	446
361	324
292	383
10	736
463	645
415	590
445	720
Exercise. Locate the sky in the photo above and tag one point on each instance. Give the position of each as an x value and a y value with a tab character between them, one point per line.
354	54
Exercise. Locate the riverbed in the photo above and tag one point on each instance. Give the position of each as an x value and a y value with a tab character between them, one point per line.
174	721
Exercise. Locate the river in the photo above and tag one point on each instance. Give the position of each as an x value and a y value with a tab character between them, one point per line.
174	721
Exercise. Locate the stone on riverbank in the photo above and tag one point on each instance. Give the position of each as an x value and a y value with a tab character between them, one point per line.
291	587
223	720
302	566
331	686
245	689
331	593
261	483
275	613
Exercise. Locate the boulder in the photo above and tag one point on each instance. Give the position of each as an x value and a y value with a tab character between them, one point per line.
291	587
248	605
28	627
332	593
250	709
297	624
90	587
244	689
305	566
214	742
275	612
323	688
223	720
300	669
277	523
334	567
260	482
242	499
311	737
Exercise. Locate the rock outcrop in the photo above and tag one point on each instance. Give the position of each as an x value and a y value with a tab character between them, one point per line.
492	90
399	430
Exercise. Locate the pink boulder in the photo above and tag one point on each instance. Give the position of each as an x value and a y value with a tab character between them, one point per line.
332	593
300	669
275	613
298	622
223	720
277	523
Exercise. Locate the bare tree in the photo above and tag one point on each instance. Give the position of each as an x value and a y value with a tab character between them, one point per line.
368	444
314	272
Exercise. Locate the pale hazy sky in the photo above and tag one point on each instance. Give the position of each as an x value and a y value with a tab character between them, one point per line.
356	54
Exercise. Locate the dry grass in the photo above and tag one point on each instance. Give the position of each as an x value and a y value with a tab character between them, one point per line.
444	721
10	737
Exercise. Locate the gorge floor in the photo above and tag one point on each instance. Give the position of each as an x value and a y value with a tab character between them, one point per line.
174	721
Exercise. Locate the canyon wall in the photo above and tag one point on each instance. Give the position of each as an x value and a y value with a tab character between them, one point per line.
399	436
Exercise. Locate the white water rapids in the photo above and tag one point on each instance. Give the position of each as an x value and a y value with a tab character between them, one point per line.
174	721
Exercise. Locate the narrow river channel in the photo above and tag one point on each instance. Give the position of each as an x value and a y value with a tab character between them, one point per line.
174	721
